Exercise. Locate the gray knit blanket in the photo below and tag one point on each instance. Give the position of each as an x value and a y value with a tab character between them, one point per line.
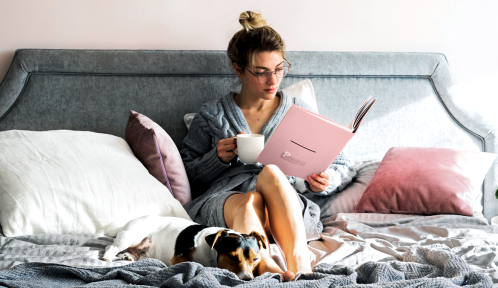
422	266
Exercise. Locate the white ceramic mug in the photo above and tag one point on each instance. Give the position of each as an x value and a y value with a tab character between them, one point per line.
249	146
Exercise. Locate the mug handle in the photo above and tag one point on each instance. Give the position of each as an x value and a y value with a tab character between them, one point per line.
235	137
235	150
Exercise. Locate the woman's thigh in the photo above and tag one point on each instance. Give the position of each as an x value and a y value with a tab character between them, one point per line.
212	211
250	204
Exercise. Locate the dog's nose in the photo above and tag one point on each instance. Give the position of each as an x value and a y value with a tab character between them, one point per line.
247	278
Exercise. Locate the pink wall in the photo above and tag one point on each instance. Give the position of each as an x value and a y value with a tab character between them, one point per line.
465	30
88	24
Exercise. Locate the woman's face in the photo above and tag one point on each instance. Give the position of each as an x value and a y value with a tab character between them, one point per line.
263	61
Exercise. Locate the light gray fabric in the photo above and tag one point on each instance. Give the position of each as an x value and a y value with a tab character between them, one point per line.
82	250
361	237
94	90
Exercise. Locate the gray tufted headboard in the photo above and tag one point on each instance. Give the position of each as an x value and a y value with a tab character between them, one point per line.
95	89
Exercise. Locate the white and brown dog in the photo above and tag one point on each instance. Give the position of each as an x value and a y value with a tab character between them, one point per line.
174	240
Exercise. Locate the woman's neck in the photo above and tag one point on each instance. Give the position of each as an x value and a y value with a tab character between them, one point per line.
246	101
257	112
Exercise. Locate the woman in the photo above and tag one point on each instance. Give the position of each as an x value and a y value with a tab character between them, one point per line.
250	197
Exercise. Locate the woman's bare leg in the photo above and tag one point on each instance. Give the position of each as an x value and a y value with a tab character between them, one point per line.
285	217
245	213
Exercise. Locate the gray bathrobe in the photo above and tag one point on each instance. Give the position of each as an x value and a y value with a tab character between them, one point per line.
213	181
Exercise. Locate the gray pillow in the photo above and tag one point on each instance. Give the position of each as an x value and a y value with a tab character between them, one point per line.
348	198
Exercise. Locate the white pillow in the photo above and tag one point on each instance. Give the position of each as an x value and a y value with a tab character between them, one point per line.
63	181
303	90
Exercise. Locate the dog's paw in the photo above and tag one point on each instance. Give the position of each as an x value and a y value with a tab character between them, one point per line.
127	256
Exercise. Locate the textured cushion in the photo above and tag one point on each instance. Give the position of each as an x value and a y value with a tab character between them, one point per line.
64	181
159	154
426	181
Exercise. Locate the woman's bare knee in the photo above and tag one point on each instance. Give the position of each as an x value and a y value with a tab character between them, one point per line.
272	170
270	174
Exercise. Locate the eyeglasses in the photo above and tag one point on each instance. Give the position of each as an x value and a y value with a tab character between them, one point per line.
280	72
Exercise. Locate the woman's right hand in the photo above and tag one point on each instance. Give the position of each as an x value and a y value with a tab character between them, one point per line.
225	148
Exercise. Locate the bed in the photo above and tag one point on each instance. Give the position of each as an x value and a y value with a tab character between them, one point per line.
419	105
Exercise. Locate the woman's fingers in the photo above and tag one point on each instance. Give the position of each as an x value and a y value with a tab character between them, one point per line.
319	182
227	144
228	155
315	186
319	179
225	149
230	147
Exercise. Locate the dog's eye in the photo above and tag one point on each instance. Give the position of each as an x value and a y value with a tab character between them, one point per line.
234	258
255	259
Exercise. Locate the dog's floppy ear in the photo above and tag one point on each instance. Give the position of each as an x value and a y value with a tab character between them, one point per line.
260	238
213	238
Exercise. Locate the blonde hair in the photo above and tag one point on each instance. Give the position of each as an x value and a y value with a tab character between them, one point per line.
256	36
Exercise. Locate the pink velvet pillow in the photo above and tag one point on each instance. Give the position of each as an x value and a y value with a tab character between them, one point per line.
427	181
159	154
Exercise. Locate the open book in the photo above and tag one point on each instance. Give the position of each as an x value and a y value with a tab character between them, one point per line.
305	142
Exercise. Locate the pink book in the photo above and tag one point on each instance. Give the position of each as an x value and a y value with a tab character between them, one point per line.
305	142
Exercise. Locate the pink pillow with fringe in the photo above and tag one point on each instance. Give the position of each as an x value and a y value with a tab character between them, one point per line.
159	154
427	181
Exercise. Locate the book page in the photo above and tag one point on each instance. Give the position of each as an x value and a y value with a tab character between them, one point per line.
363	112
351	125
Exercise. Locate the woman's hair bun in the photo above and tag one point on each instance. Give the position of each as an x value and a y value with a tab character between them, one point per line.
250	20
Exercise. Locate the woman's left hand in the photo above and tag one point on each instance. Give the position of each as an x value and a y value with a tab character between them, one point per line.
319	182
